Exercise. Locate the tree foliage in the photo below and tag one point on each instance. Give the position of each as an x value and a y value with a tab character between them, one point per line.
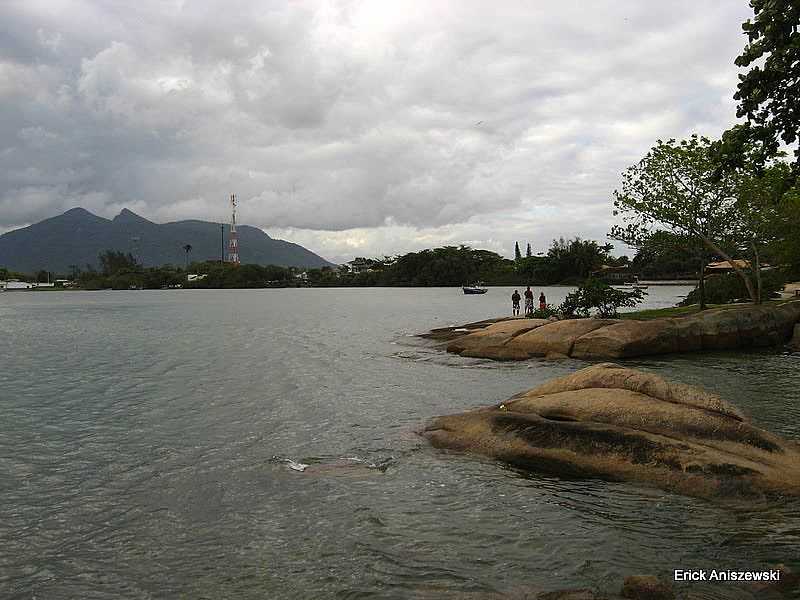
113	262
665	255
769	92
566	261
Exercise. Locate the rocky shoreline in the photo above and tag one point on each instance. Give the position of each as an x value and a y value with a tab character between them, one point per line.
725	328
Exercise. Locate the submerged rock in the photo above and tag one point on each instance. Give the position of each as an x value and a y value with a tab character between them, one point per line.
623	424
716	329
646	587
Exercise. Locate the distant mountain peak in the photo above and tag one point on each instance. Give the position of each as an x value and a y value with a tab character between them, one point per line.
79	212
128	216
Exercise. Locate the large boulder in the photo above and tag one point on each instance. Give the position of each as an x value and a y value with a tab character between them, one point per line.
491	341
557	337
629	338
624	424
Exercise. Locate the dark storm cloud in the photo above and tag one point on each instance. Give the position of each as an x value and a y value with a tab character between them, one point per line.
354	127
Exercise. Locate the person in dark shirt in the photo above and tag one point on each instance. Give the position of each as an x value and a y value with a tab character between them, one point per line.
515	298
542	302
528	302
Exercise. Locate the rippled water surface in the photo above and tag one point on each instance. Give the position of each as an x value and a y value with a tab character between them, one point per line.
139	431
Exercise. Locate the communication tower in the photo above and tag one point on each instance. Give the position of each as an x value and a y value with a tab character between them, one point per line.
233	241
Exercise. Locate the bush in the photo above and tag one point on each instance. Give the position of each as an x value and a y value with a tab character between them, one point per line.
729	287
545	313
596	294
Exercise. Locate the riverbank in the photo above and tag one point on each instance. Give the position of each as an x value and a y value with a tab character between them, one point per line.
648	333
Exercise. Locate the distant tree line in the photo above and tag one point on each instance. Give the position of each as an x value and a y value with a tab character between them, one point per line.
566	262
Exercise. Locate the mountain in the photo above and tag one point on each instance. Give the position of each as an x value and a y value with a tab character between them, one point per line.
77	238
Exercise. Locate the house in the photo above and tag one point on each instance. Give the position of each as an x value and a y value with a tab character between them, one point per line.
196	277
301	276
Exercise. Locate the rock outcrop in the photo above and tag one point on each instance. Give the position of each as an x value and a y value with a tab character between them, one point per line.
623	424
716	329
794	343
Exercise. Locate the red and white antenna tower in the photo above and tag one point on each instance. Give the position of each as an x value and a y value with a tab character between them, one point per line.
233	241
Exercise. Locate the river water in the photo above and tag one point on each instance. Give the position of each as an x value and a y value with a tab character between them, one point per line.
138	433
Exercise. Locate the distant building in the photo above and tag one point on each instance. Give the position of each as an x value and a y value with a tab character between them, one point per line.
16	284
610	273
196	276
726	266
301	276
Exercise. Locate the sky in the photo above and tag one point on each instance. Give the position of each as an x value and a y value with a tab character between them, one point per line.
355	128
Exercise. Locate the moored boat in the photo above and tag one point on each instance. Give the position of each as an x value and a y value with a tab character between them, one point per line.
476	288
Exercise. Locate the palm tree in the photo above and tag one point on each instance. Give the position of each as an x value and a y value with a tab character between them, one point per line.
187	248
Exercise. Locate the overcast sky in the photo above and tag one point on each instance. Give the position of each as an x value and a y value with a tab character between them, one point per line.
355	128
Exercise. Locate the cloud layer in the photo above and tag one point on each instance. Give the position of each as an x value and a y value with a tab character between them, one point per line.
355	128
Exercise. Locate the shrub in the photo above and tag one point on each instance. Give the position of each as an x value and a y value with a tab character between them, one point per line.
596	294
545	313
729	287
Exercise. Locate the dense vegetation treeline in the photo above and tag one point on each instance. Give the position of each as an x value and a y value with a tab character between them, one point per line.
567	261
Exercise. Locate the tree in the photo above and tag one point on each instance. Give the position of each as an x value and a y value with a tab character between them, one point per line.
187	248
758	220
678	186
528	252
517	253
768	93
577	257
787	248
113	262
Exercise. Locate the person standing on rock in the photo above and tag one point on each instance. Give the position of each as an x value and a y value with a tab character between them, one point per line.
542	302
528	302
515	298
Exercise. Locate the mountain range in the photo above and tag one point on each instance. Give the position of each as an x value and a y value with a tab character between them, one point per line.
77	237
